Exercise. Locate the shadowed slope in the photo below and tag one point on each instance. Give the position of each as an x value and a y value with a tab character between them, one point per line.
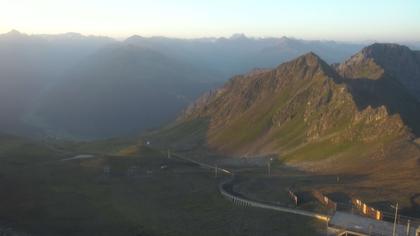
388	75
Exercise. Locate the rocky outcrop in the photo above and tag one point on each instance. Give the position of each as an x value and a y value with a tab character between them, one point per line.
386	75
304	100
386	60
308	111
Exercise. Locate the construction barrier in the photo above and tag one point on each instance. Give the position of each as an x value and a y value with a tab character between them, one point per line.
367	210
293	196
324	200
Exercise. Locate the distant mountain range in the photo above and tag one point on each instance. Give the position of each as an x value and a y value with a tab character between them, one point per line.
239	54
356	114
121	90
29	65
71	85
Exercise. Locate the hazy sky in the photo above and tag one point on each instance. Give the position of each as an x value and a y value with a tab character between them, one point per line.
351	20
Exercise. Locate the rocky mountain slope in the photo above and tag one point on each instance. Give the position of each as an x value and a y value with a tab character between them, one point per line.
303	111
386	61
389	75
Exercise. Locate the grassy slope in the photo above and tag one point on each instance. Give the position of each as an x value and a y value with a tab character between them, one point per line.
68	198
109	146
305	121
22	151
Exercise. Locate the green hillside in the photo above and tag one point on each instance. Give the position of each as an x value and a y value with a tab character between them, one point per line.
304	112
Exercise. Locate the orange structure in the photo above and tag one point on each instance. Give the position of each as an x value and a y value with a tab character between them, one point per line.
366	210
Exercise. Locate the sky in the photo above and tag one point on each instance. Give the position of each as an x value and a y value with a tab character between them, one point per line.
342	20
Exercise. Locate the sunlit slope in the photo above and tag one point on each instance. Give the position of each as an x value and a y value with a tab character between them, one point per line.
302	111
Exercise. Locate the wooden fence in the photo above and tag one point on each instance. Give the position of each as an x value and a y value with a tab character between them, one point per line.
294	197
324	200
367	210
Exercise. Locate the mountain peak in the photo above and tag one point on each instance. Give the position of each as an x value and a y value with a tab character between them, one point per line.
14	33
311	56
390	58
312	61
73	35
309	59
374	60
380	51
134	37
385	46
238	36
385	61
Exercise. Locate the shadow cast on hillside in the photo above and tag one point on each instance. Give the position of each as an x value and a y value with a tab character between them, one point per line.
386	92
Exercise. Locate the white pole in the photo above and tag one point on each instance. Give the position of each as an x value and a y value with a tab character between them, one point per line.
395	220
408	228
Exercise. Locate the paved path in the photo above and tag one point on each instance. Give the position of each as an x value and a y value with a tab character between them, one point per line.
81	156
367	226
340	220
226	191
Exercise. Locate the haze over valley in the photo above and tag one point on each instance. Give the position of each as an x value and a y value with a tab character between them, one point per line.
209	118
114	88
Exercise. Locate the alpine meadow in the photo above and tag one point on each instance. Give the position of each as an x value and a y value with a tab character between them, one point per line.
209	118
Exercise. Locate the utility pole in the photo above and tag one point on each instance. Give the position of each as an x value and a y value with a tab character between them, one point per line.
408	228
169	154
395	220
215	171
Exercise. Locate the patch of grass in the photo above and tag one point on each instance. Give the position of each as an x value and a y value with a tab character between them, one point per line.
319	150
110	146
186	133
290	135
19	150
250	126
78	198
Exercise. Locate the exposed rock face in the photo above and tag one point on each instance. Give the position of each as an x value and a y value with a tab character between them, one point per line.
303	99
386	75
386	60
305	110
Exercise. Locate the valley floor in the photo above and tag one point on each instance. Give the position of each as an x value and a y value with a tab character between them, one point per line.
150	194
146	194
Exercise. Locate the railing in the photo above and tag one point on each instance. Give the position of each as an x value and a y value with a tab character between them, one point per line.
246	202
226	190
240	200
